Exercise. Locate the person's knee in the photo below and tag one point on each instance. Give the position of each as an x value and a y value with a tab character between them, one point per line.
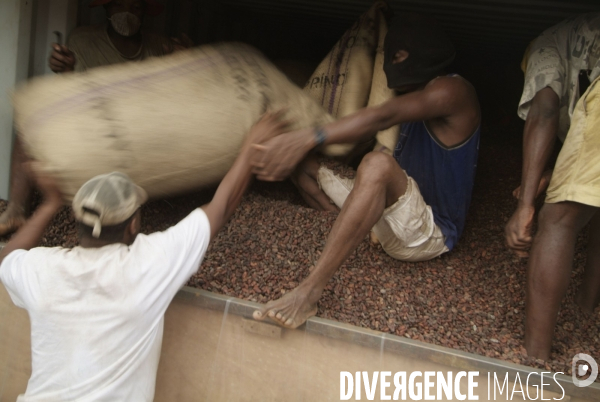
377	166
562	216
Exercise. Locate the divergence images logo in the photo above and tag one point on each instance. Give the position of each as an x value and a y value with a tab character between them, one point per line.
581	369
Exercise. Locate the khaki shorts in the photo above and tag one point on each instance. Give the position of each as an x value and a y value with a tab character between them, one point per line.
576	176
406	229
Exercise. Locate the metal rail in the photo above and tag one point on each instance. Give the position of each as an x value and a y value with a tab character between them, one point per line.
393	343
397	344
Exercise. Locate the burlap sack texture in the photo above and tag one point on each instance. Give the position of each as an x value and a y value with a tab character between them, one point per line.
173	124
351	77
176	123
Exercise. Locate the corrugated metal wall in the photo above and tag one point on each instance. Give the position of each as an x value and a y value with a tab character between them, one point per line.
490	35
493	27
502	26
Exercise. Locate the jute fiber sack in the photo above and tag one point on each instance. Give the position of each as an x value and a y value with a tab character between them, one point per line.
173	124
351	77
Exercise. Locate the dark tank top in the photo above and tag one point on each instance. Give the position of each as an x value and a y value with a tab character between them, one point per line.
445	175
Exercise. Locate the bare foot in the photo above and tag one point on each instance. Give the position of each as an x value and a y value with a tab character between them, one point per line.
292	310
11	220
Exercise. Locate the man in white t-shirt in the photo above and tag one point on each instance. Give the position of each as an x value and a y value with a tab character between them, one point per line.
97	310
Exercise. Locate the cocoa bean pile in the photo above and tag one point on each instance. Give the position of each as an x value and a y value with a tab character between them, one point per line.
471	299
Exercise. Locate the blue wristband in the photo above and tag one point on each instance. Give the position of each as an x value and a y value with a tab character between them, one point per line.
320	136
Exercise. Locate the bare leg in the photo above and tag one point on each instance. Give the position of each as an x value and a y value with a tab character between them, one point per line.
588	296
379	183
549	271
20	193
305	179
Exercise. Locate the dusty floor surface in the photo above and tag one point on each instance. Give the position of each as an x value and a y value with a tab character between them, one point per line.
471	299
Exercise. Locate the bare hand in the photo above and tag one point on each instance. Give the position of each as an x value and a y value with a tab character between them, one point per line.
45	182
61	59
269	126
518	230
277	158
544	183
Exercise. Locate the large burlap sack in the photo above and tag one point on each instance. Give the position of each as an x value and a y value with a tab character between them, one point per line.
351	77
173	124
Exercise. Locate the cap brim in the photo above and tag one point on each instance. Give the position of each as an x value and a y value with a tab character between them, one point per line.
142	195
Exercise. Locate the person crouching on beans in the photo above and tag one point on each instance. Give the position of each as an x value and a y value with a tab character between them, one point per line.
416	201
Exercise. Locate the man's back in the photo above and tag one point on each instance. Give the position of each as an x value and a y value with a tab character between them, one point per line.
97	313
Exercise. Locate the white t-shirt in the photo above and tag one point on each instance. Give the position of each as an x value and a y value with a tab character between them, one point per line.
97	313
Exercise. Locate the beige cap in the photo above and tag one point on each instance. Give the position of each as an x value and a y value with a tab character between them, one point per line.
107	199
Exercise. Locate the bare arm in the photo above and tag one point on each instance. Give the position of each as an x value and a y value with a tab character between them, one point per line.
540	131
30	233
236	181
441	98
539	136
444	97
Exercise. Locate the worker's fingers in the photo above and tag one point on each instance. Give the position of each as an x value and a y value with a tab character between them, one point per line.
59	57
60	49
519	238
521	254
270	173
56	65
520	246
257	154
517	243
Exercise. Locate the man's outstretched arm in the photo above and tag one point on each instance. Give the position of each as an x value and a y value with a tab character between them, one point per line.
236	181
539	136
30	233
277	158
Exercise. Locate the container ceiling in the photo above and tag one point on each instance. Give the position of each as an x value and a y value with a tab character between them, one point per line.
494	27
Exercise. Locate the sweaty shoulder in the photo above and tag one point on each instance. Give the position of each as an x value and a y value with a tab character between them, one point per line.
461	106
452	87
